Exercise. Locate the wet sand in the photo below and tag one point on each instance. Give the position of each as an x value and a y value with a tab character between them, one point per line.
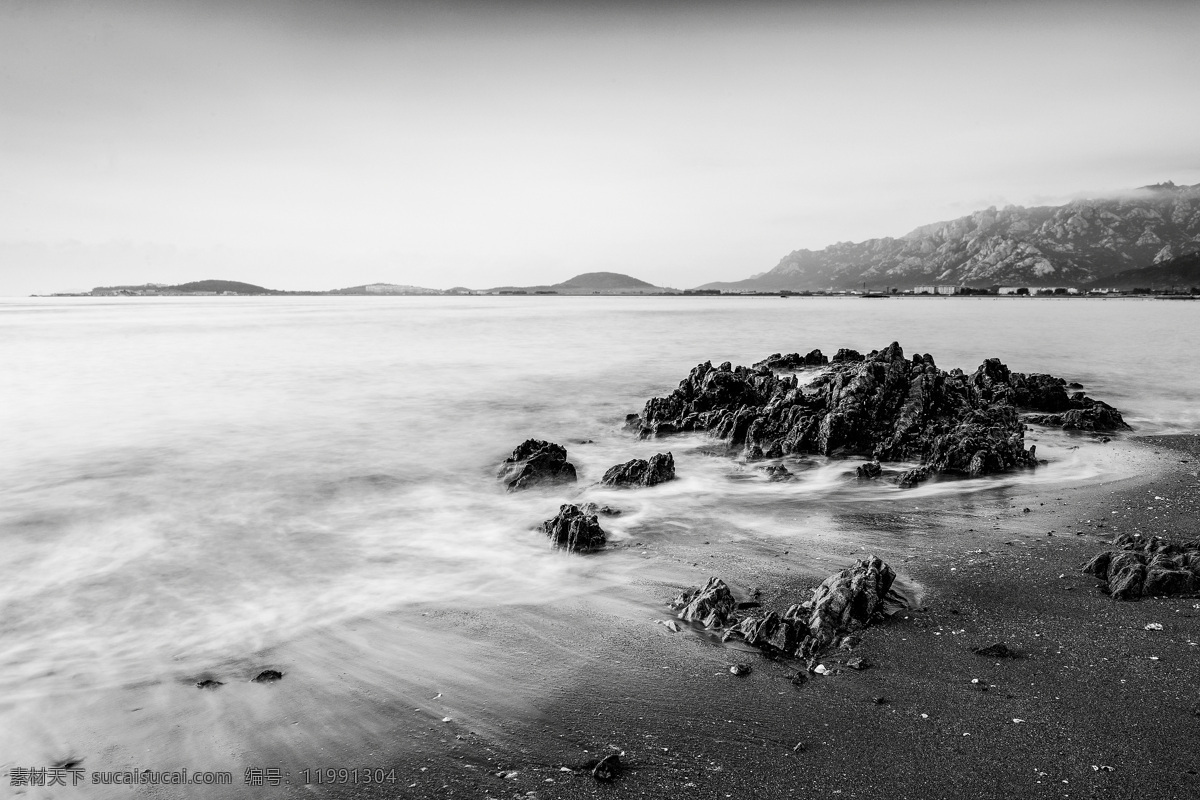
1107	709
515	701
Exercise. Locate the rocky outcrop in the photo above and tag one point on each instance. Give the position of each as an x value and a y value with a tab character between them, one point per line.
845	602
1147	566
639	472
574	530
885	406
536	463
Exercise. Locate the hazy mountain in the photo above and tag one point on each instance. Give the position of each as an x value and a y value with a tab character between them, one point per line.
1182	272
386	288
1072	244
591	283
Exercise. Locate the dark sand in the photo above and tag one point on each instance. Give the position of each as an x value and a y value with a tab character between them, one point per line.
1108	709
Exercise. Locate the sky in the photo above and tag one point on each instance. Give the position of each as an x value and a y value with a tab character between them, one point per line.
319	145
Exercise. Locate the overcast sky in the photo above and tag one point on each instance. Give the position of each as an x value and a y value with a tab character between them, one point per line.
316	145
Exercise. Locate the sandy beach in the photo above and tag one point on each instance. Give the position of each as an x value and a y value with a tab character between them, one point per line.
1096	706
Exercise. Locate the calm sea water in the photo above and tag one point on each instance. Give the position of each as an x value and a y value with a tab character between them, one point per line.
185	481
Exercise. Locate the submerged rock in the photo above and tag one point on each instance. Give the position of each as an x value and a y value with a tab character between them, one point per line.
639	472
871	469
593	508
914	477
574	530
882	405
534	463
1147	566
777	473
268	676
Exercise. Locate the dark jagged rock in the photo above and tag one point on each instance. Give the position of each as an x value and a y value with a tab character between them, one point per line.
574	530
850	599
639	472
913	477
1147	566
884	406
777	473
268	676
712	605
871	469
845	602
536	463
209	683
843	356
1088	415
793	361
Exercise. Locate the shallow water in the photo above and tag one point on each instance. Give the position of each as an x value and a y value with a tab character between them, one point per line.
188	482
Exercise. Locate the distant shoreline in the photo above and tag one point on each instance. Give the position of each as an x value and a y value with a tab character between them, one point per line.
686	294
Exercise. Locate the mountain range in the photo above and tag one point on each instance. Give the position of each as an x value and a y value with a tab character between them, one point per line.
1080	243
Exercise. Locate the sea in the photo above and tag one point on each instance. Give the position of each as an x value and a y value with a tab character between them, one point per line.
191	487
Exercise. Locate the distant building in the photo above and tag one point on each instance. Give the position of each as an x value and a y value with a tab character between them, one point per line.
1011	290
937	289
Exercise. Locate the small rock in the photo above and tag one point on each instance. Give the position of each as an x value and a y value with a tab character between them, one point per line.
268	676
859	664
608	768
879	700
208	683
672	626
799	748
741	669
1154	626
995	650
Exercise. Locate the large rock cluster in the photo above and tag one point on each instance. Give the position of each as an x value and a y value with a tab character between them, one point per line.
535	463
1147	566
846	601
884	406
575	530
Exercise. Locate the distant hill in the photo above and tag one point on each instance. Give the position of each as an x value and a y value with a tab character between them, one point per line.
1182	272
1074	244
221	286
607	282
591	283
185	288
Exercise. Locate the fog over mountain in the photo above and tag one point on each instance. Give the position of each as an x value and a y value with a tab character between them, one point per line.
1080	242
